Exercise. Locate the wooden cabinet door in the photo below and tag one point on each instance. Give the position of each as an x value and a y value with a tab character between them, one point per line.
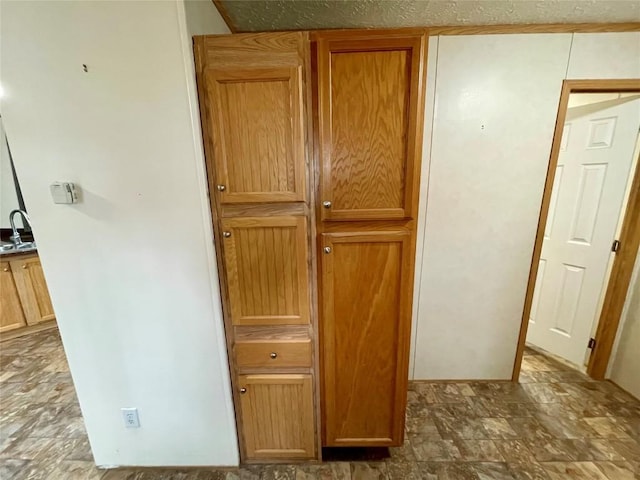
366	311
266	269
11	315
33	291
370	97
277	416
258	137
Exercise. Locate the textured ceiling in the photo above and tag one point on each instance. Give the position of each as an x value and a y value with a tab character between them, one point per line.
265	15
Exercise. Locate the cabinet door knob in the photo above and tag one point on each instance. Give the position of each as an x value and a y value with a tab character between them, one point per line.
221	188
326	204
327	249
24	266
5	269
243	390
226	234
273	355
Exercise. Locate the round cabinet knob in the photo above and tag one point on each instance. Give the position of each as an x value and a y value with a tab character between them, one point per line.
327	249
273	355
226	234
221	188
5	269
24	266
326	204
243	390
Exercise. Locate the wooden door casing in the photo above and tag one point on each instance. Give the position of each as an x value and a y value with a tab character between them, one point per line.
11	315
370	107
366	328
277	413
266	268
257	117
33	291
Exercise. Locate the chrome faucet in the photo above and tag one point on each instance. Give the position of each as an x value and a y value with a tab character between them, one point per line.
15	238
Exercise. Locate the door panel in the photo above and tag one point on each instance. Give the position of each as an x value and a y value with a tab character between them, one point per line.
594	165
258	136
266	267
11	315
369	94
33	291
277	416
366	311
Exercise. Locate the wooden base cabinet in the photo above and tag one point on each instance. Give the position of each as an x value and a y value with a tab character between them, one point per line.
278	418
25	300
11	314
33	290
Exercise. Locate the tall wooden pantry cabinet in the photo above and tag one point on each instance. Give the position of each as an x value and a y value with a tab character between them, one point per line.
369	107
313	145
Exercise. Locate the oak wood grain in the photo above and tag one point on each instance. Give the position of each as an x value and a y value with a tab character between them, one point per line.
369	96
32	289
263	209
252	49
510	29
258	134
278	417
366	313
241	52
11	315
273	354
248	333
266	267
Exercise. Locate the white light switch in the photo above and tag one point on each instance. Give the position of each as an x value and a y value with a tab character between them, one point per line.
64	192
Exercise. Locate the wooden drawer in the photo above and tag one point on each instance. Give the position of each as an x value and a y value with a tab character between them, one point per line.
274	354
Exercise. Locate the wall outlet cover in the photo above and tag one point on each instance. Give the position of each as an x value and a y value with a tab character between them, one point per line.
130	417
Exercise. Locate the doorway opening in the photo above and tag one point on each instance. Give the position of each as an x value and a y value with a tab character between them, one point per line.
589	227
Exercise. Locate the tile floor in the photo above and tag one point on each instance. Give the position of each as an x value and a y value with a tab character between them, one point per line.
557	424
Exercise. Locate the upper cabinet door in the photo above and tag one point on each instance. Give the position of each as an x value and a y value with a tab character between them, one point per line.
256	116
370	96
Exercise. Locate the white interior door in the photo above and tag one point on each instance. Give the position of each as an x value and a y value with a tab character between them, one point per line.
594	164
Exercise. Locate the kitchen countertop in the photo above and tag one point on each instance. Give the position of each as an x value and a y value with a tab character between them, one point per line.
24	251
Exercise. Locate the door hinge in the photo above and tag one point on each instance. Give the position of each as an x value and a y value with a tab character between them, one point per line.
592	343
615	246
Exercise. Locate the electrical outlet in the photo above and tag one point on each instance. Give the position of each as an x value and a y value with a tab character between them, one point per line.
130	416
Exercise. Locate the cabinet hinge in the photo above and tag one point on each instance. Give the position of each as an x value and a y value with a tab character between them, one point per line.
592	343
615	246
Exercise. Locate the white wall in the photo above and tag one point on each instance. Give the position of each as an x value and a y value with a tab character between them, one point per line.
496	100
8	195
625	365
130	268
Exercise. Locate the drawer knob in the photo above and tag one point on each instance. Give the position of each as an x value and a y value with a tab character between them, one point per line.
226	234
327	249
24	266
326	204
5	269
221	188
273	355
243	390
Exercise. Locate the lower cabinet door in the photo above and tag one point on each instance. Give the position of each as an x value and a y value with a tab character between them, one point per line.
33	290
277	416
11	315
365	326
